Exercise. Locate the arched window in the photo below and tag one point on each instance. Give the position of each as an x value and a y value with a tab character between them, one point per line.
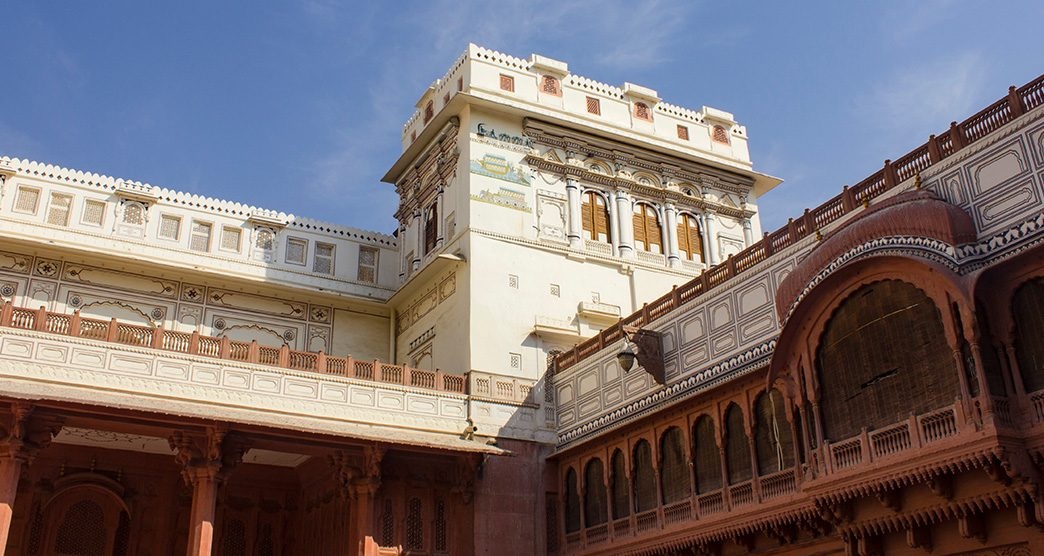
737	446
644	477
642	111
706	458
85	521
550	85
82	530
720	135
618	484
595	217
431	228
882	356
594	494
572	502
1028	309
772	435
133	213
674	473
690	240
414	525
647	229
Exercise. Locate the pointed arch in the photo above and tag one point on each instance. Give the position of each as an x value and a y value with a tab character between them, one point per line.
674	472
644	477
773	437
595	508
737	446
706	457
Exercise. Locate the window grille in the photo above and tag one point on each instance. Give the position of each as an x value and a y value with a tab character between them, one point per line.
674	472
264	239
265	544
199	239
414	525
36	530
507	83
82	530
594	106
572	502
387	524
368	264
772	434
707	457
862	385
683	133
169	227
594	494
296	250
122	544
642	111
595	217
644	478
647	229
441	540
323	259
737	446
690	240
234	538
134	214
58	210
551	85
93	212
230	238
618	484
27	200
720	135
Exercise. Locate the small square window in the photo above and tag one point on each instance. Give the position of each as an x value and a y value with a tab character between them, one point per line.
323	261
230	238
368	264
296	250
507	83
551	85
460	84
58	210
93	212
429	111
199	239
27	200
683	133
594	106
169	227
642	111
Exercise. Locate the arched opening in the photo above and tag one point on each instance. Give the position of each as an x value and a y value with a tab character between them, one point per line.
706	456
647	235
644	477
594	216
882	356
773	439
690	239
595	508
618	485
1028	313
674	473
572	502
737	446
86	521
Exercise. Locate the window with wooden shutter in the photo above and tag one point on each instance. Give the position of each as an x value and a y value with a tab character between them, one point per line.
674	472
618	484
690	240
644	478
737	446
595	217
707	457
594	494
647	229
431	229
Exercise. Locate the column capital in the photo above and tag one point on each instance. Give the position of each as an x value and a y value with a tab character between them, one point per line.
208	456
23	435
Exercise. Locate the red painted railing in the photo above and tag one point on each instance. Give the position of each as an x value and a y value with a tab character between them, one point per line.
1017	102
222	348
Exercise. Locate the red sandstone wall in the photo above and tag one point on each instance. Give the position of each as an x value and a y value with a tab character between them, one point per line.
509	502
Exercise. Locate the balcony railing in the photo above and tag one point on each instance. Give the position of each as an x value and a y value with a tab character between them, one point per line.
194	343
1017	102
914	433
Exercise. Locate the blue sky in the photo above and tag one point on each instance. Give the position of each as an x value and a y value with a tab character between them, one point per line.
298	106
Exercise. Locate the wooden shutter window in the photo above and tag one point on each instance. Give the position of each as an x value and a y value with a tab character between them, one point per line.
690	240
647	229
595	217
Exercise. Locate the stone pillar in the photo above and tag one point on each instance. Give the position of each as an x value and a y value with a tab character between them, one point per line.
206	461
671	216
710	244
625	222
748	234
363	482
440	219
24	439
574	225
205	480
418	239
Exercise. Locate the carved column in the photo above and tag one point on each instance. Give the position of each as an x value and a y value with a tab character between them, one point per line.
574	224
22	439
671	216
206	461
363	483
440	219
418	239
708	237
748	233
625	222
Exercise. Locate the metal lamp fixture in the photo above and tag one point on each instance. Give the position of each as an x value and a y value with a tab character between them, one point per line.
646	347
